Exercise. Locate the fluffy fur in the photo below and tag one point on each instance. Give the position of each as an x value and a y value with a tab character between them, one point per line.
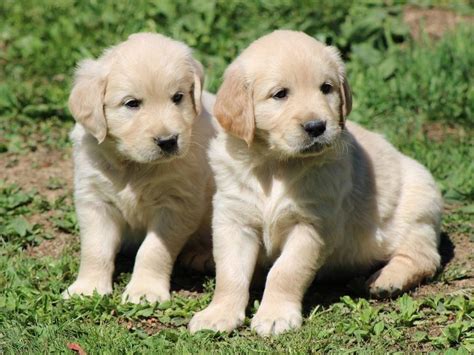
342	201
128	189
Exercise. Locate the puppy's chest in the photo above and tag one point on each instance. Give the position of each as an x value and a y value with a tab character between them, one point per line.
139	201
274	208
280	201
136	205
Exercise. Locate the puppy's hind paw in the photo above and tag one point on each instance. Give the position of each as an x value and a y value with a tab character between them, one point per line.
385	285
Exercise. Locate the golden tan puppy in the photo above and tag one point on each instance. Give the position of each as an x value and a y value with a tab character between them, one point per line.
141	170
302	190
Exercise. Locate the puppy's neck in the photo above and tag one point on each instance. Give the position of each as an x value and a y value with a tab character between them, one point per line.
110	155
110	161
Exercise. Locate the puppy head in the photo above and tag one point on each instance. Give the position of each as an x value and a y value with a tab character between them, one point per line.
288	89
143	95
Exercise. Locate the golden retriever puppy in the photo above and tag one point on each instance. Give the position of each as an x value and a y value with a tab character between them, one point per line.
141	170
301	189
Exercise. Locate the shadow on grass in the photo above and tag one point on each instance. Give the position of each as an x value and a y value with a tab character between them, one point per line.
322	292
181	279
446	250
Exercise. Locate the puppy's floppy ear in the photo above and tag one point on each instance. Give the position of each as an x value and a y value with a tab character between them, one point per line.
198	73
344	88
234	104
86	101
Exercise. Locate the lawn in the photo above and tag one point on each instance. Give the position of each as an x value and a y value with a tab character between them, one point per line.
413	85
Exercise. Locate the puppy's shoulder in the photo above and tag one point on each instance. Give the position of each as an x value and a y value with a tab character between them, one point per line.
373	143
361	133
82	141
229	156
88	158
77	134
208	101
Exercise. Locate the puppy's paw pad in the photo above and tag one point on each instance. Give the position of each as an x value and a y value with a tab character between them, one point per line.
268	323
216	318
87	288
145	292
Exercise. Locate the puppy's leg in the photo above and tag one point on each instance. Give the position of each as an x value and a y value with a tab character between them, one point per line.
414	231
153	266
101	228
235	252
156	256
414	260
287	282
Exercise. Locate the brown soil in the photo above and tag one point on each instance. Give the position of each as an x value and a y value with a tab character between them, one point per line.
439	131
433	22
462	259
150	325
52	247
39	170
50	174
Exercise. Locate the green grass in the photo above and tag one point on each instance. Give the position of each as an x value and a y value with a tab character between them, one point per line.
420	95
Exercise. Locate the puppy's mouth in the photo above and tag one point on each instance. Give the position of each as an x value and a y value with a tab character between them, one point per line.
170	155
167	156
313	147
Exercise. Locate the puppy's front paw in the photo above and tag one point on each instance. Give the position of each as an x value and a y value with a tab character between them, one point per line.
138	291
276	318
86	287
218	318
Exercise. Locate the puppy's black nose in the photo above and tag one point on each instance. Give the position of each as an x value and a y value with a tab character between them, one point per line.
167	144
315	128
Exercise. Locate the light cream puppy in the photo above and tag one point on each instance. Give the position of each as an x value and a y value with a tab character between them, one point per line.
300	189
141	170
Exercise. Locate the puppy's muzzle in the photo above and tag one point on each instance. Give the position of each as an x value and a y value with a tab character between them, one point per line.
167	144
314	128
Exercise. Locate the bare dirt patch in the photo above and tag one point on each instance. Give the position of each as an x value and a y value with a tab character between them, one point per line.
433	22
149	325
439	131
50	173
47	171
53	247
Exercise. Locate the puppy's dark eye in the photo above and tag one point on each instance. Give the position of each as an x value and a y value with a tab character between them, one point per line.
132	103
176	98
326	88
280	94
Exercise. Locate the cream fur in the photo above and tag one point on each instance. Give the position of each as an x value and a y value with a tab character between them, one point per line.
348	203
127	190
